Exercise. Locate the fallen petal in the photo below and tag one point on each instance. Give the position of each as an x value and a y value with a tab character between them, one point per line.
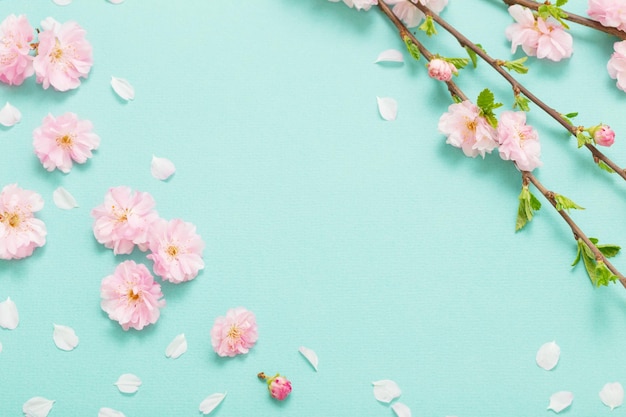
64	337
559	401
63	199
9	318
121	86
62	2
0	347
390	55
177	347
211	402
612	394
116	1
386	390
401	410
310	356
9	115
109	412
128	383
548	355
387	107
37	407
161	168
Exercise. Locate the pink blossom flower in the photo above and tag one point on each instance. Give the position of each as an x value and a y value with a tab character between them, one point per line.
406	11
63	55
441	70
20	231
59	141
617	64
519	142
234	333
278	386
610	13
124	220
16	64
359	4
176	250
131	297
467	129
603	135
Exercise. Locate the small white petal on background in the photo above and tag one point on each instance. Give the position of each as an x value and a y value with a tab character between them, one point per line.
37	407
63	199
128	383
64	337
109	412
401	409
9	317
559	401
548	355
310	356
9	115
0	347
62	2
387	107
116	1
386	390
211	402
123	88
612	394
390	55
177	347
161	168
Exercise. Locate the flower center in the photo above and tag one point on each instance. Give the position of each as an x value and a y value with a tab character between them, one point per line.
57	53
471	125
172	251
234	333
65	141
133	296
12	219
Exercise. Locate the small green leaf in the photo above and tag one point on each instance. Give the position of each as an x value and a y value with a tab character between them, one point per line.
486	103
517	65
564	203
571	115
605	167
598	272
521	102
560	3
603	275
458	63
414	51
582	139
608	250
457	99
428	26
472	56
577	259
528	204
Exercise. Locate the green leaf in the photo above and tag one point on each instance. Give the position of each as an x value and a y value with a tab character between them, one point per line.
457	99
546	10
608	250
564	203
603	275
578	251
560	3
571	115
414	51
517	65
486	103
472	56
582	139
458	63
428	26
521	102
598	272
528	204
605	167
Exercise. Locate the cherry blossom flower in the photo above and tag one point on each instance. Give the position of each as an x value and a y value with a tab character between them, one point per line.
278	386
20	231
358	4
131	296
467	129
63	55
406	11
234	333
124	220
16	64
441	70
519	142
603	135
176	250
609	13
617	64
59	141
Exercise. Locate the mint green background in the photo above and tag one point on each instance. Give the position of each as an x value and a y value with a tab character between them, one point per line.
386	251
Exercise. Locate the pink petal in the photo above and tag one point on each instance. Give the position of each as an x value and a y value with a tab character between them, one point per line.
162	168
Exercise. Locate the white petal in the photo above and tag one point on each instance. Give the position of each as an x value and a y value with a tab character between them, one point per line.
209	403
128	383
123	88
401	410
0	347
64	337
37	407
310	356
116	1
548	355
386	390
387	107
63	199
62	2
109	412
612	395
559	401
390	55
177	347
9	318
9	115
162	168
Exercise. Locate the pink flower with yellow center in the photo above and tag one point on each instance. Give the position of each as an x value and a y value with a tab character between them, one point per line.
16	64
20	231
467	129
234	333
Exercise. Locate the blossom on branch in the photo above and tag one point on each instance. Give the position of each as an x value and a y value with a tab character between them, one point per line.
518	141
16	64
617	64
411	15
609	13
441	70
20	231
467	129
358	4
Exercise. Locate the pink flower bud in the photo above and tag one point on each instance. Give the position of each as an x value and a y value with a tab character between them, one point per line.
604	136
441	70
278	386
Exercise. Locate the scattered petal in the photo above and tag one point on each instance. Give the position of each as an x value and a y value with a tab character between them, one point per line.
116	1
388	108
211	402
128	383
162	168
63	199
9	115
390	55
121	86
109	412
310	356
62	2
177	347
37	407
64	337
9	318
559	401
612	395
386	390
548	355
0	347
401	410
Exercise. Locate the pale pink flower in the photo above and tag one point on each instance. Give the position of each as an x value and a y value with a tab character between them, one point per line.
278	386
124	220
358	4
467	129
519	142
63	55
59	141
131	297
617	64
176	250
20	231
234	333
603	135
16	64
406	11
441	70
610	13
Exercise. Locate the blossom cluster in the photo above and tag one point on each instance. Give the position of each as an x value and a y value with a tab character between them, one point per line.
411	15
20	231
